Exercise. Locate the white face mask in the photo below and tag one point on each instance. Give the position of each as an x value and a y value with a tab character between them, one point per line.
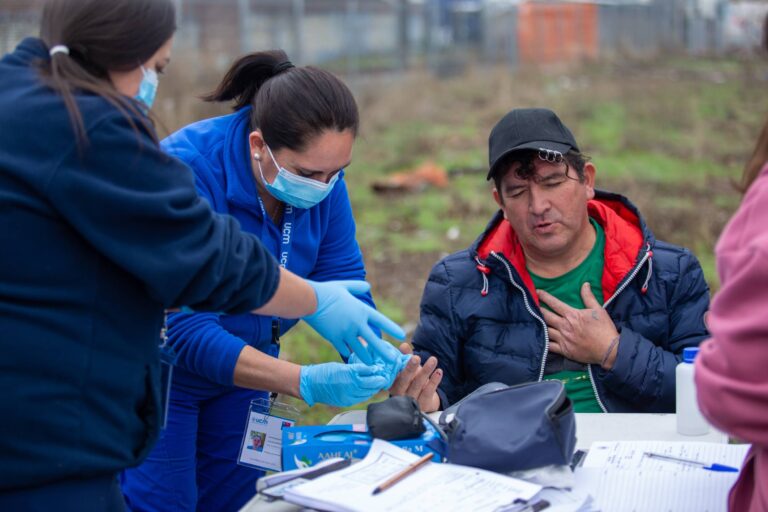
295	190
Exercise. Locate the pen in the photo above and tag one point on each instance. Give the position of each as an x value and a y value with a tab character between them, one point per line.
711	467
526	506
402	474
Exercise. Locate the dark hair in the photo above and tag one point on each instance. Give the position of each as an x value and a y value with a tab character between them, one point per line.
759	156
102	36
765	33
526	169
290	104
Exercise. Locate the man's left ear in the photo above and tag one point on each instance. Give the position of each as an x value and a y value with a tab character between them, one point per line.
589	179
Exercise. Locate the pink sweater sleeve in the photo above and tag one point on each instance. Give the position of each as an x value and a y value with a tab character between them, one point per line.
732	368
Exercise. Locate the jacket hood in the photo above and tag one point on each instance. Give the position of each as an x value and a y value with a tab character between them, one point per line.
29	49
627	238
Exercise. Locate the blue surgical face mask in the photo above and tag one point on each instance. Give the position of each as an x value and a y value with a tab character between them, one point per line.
148	87
297	191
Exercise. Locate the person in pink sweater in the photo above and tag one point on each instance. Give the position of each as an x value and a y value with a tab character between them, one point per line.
732	368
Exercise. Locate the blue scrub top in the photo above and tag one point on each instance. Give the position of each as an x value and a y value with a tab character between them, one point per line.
323	245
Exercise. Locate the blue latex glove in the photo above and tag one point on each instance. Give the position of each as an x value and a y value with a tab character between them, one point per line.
340	384
341	318
390	369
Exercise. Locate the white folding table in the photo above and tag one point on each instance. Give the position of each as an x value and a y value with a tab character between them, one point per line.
589	427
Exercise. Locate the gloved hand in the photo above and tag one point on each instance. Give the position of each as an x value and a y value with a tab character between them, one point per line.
341	318
340	384
390	369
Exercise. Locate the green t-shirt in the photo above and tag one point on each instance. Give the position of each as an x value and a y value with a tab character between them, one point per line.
567	288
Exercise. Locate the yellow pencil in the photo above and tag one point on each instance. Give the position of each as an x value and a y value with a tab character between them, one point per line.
402	474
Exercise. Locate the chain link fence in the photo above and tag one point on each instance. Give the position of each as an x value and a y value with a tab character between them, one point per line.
358	37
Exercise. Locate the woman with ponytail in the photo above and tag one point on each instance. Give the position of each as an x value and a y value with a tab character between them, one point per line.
277	165
101	231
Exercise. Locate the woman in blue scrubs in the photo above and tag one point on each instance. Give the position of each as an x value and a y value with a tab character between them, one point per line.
277	165
101	231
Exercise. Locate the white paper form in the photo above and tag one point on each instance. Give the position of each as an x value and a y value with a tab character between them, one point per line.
622	478
626	490
631	455
444	487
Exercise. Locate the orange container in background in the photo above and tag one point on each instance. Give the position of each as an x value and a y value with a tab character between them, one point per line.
557	33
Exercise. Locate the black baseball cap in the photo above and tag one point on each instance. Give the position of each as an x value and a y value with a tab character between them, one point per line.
528	128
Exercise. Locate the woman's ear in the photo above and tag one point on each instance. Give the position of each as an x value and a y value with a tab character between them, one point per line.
257	145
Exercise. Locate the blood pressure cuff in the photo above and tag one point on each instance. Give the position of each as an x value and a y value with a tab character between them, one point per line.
503	428
397	417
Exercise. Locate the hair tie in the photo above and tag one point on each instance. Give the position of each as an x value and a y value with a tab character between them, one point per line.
282	66
59	48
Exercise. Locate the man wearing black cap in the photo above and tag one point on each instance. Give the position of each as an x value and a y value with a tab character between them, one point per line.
566	283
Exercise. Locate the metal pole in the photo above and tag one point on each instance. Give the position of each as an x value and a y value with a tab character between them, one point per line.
243	9
433	34
297	26
353	43
428	33
402	34
178	5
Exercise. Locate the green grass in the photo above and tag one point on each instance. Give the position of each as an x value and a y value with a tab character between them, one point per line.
707	259
657	167
605	128
670	134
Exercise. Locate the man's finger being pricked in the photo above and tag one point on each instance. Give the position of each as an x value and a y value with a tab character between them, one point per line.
432	383
428	399
404	379
558	306
406	348
421	377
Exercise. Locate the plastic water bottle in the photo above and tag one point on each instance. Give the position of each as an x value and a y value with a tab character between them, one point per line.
690	422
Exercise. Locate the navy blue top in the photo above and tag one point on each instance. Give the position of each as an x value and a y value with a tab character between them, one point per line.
322	243
95	244
480	315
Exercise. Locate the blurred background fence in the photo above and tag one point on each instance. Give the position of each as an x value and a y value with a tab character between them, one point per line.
356	37
664	95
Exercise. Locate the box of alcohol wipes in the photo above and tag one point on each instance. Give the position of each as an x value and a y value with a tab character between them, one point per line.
306	446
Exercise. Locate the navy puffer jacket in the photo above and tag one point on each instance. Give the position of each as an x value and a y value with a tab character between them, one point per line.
480	316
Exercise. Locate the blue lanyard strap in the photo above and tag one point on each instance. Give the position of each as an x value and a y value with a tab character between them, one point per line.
286	236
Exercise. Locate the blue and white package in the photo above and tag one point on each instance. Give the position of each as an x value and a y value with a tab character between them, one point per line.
306	446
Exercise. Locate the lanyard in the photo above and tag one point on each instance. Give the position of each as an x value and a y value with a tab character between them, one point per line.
285	249
168	358
286	236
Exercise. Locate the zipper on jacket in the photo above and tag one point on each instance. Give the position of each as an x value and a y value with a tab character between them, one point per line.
620	289
629	279
531	311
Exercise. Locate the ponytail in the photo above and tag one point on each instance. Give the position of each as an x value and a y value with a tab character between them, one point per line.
290	105
89	38
64	75
246	76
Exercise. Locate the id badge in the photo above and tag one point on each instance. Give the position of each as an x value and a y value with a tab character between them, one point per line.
262	445
167	360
